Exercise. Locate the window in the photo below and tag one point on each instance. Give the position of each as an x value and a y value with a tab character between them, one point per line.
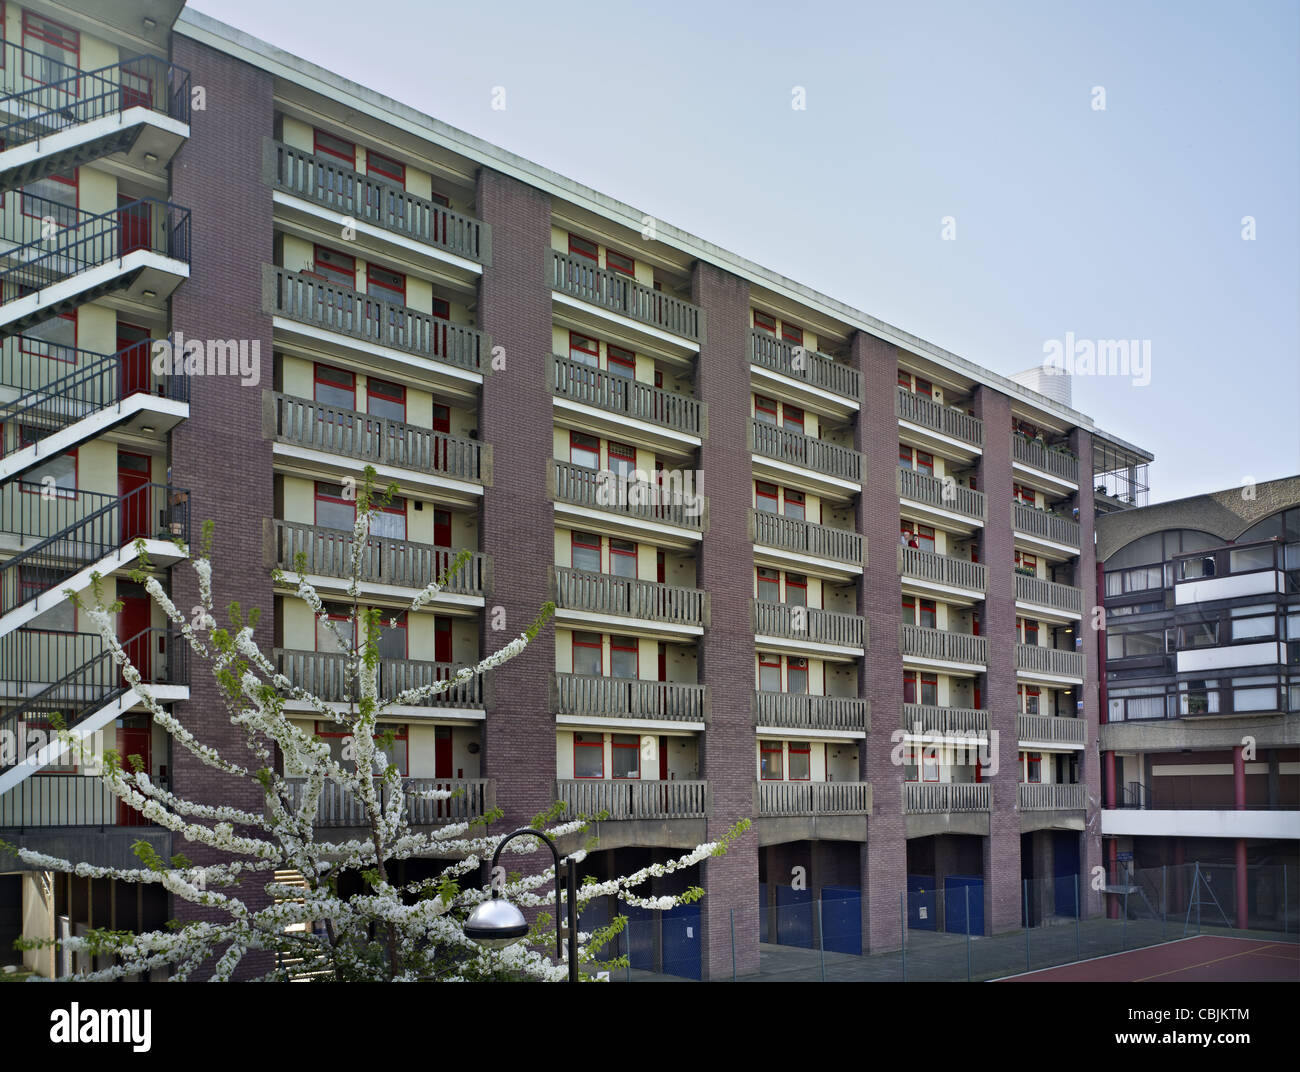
384	399
620	262
764	322
584	350
924	387
386	285
440	199
621	362
1029	697
589	755
1023	494
623	657
391	641
769	672
37	733
625	749
55	196
765	409
622	458
796	676
1033	766
335	387
329	145
794	504
333	511
800	761
386	168
587	654
930	763
586	552
921	762
792	334
52	49
584	450
390	522
924	537
335	267
904	379
1027	563
770	765
925	463
338	614
61	469
1028	628
54	338
792	419
582	248
32	581
928	616
622	558
769	585
919	688
765	497
796	589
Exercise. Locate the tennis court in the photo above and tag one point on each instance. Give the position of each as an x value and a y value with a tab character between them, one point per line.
1202	958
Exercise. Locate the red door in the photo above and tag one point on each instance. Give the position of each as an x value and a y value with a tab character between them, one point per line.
133	345
442	752
133	741
441	423
133	490
663	759
442	640
132	622
134	219
137	86
441	528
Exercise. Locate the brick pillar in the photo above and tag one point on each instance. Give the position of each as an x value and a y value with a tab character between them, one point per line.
219	454
1094	661
881	679
517	513
1002	888
726	572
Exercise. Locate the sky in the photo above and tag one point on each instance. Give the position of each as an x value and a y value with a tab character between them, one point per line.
990	177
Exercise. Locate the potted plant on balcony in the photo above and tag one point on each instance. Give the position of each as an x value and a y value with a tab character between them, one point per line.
263	826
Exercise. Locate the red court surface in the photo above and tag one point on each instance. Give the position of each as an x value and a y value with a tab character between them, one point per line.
1203	958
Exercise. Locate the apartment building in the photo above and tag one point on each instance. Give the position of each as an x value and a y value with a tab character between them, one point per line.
1200	730
808	568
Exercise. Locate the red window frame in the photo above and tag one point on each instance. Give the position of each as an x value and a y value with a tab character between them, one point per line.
389	392
74	182
326	255
1023	494
584	344
792	418
1033	767
927	390
332	613
66	763
319	144
797	498
625	644
904	379
622	552
763	404
773	578
48	34
577	540
599	646
22	292
620	262
584	247
625	359
441	309
1028	630
598	743
925	462
806	750
773	495
792	334
915	683
924	534
624	452
799	581
575	443
1027	561
320	496
793	661
766	660
393	284
401	732
765	321
1026	693
317	378
440	199
779	752
635	746
385	167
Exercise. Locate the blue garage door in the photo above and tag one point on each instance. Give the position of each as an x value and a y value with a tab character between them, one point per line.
920	903
958	902
794	919
842	918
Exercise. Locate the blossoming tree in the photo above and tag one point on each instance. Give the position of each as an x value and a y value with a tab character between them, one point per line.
389	931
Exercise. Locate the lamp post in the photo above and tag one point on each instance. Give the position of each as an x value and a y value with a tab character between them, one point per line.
497	923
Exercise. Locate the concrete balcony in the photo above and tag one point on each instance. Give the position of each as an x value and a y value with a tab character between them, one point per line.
338	806
602	599
836	554
620	303
324	190
829	715
1051	732
921	798
955	652
808	630
674	516
792	458
623	408
1055	470
957	580
945	721
1050	665
580	698
1033	796
1046	533
774	799
312	438
326	675
944	503
633	798
1048	600
938	428
398	568
313	316
807	377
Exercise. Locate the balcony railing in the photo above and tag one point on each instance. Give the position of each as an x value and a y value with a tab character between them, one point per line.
1057	462
927	797
815	369
1049	594
945	720
602	593
365	198
338	806
809	623
54	800
327	675
352	434
627	397
1043	660
794	448
384	560
1039	797
1040	523
603	490
941	569
813	798
918	409
805	538
1057	730
925	643
799	711
622	294
633	799
942	494
320	304
616	697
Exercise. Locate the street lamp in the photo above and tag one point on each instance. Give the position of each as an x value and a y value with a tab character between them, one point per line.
497	923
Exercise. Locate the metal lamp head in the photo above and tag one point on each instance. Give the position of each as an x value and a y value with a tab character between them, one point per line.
496	924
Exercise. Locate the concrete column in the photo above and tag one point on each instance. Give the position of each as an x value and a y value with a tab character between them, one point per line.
1111	798
1239	802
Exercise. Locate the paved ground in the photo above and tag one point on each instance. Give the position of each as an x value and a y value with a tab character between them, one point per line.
1202	958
